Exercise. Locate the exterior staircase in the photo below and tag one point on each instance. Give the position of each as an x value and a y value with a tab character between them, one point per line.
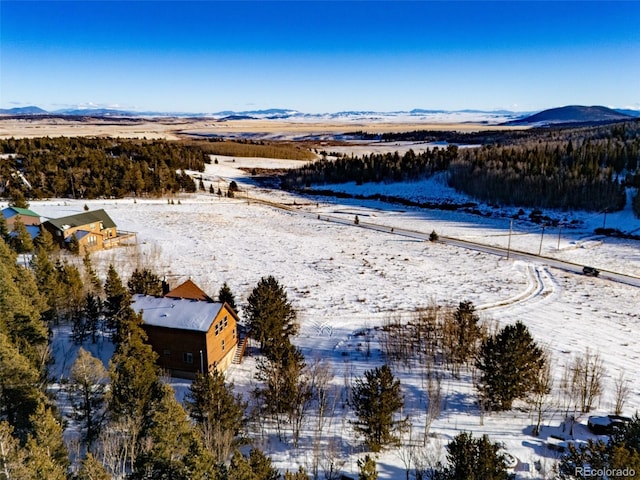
242	345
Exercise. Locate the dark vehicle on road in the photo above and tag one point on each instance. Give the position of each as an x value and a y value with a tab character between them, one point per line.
590	271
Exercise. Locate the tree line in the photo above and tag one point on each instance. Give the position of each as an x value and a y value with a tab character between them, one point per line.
552	175
389	167
85	167
580	168
253	148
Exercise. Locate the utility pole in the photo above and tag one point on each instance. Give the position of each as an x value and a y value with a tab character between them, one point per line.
541	237
559	230
509	243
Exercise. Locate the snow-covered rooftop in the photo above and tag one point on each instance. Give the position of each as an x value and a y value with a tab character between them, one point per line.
176	312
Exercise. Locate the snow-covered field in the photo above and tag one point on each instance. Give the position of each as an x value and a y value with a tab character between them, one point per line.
342	278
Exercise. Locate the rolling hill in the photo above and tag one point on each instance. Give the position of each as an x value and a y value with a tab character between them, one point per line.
573	114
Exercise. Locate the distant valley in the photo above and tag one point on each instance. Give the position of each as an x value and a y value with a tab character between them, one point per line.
560	115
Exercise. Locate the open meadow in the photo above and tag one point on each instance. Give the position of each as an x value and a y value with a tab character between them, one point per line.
346	282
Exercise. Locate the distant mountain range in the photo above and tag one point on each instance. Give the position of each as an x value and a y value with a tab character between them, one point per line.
568	114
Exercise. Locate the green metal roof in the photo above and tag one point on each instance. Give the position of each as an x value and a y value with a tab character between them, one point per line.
25	212
85	218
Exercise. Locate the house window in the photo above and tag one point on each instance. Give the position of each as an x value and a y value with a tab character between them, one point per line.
234	333
166	352
223	344
187	357
217	329
226	322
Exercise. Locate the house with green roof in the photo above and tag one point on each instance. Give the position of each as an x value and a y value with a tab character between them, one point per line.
26	216
93	230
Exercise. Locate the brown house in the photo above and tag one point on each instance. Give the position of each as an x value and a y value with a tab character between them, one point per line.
26	216
29	218
94	230
188	335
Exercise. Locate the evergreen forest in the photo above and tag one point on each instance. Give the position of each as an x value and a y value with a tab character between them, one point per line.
569	168
96	167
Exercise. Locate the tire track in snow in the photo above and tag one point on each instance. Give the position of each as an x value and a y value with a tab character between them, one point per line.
540	286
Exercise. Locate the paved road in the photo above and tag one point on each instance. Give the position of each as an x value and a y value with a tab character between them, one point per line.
501	252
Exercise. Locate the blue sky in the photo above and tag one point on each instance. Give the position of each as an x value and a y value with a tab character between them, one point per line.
208	56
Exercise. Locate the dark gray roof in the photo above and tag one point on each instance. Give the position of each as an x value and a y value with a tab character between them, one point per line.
85	218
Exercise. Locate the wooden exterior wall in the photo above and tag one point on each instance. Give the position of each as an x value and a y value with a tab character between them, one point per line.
176	346
219	346
92	241
25	219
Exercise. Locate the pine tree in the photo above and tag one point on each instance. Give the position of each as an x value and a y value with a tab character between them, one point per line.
21	241
91	274
226	296
255	467
270	317
70	280
145	282
301	474
465	335
169	436
508	363
218	413
48	455
4	229
135	381
19	392
12	455
117	305
44	242
17	199
472	458
49	285
92	469
135	390
88	392
199	463
376	399
92	314
74	244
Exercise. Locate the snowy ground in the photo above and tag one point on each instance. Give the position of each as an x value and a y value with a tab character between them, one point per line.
342	278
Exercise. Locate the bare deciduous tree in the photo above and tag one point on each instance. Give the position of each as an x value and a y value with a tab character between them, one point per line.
622	390
586	381
541	390
434	399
